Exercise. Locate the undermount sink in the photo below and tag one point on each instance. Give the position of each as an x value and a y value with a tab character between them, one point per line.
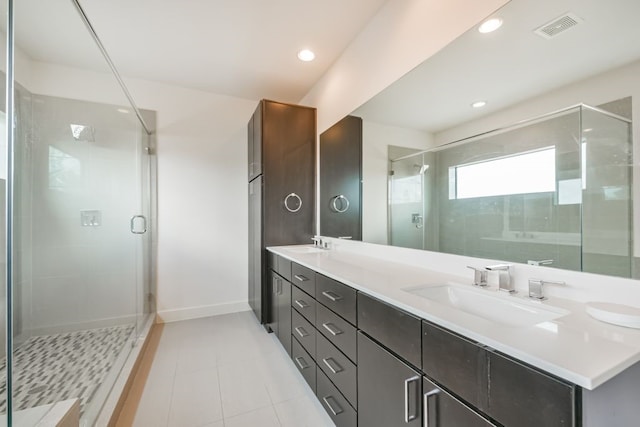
306	250
499	308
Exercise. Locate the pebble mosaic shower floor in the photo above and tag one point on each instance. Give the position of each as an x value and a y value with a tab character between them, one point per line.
52	368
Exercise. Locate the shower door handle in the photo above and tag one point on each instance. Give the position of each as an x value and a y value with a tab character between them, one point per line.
144	222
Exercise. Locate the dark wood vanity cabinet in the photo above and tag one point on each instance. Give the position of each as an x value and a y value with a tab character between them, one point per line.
281	310
372	364
389	389
442	409
493	386
281	181
341	179
522	396
456	362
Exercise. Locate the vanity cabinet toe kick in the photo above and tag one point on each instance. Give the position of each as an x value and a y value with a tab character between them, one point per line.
372	364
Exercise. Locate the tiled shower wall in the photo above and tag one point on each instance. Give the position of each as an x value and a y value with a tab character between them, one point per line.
73	276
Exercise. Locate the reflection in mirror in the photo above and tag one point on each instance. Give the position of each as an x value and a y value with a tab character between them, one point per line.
499	194
523	194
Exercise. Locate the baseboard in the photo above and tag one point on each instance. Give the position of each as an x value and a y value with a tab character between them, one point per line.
177	314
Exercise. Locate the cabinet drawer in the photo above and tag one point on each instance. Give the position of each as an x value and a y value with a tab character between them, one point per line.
458	364
284	268
304	332
337	330
305	304
339	298
304	363
338	368
304	278
442	409
342	414
524	397
397	330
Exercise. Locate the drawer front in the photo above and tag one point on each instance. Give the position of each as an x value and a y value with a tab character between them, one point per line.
397	330
524	397
338	368
339	298
337	330
342	414
304	363
459	364
284	268
442	409
304	332
305	304
304	278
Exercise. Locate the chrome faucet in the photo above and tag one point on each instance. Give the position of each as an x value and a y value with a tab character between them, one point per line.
505	281
479	276
536	288
540	262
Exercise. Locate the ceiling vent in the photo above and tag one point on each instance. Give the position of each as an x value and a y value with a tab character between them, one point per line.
558	25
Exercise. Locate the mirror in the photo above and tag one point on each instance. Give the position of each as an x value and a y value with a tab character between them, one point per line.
556	136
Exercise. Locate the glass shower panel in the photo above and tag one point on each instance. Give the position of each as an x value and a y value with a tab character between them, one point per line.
514	195
80	251
407	202
607	194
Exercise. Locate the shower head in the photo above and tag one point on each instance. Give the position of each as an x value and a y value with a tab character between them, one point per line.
83	133
423	169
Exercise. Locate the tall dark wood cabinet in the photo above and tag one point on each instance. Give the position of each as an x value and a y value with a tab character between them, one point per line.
281	174
341	179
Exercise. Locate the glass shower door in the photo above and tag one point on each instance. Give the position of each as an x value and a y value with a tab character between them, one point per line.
407	202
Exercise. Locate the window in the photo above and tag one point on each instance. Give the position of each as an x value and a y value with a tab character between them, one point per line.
523	173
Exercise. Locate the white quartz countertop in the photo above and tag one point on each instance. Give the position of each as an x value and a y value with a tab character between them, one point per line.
574	347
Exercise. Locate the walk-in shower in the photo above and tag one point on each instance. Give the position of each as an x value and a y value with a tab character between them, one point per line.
555	190
78	177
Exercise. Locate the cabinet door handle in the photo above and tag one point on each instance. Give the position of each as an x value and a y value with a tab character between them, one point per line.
300	330
301	303
333	365
333	330
301	278
301	362
332	296
407	383
335	408
426	397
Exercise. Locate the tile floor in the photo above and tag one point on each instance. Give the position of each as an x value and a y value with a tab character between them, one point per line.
222	371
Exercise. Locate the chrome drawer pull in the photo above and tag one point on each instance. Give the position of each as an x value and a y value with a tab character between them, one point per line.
333	330
427	395
301	303
300	330
332	296
335	412
328	361
409	417
301	278
301	362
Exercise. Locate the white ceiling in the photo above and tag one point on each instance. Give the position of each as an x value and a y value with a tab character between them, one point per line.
243	48
510	65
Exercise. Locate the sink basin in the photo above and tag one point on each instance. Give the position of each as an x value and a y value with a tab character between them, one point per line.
499	308
305	250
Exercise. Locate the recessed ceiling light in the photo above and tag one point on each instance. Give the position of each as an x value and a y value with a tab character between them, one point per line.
479	104
122	110
306	55
490	25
